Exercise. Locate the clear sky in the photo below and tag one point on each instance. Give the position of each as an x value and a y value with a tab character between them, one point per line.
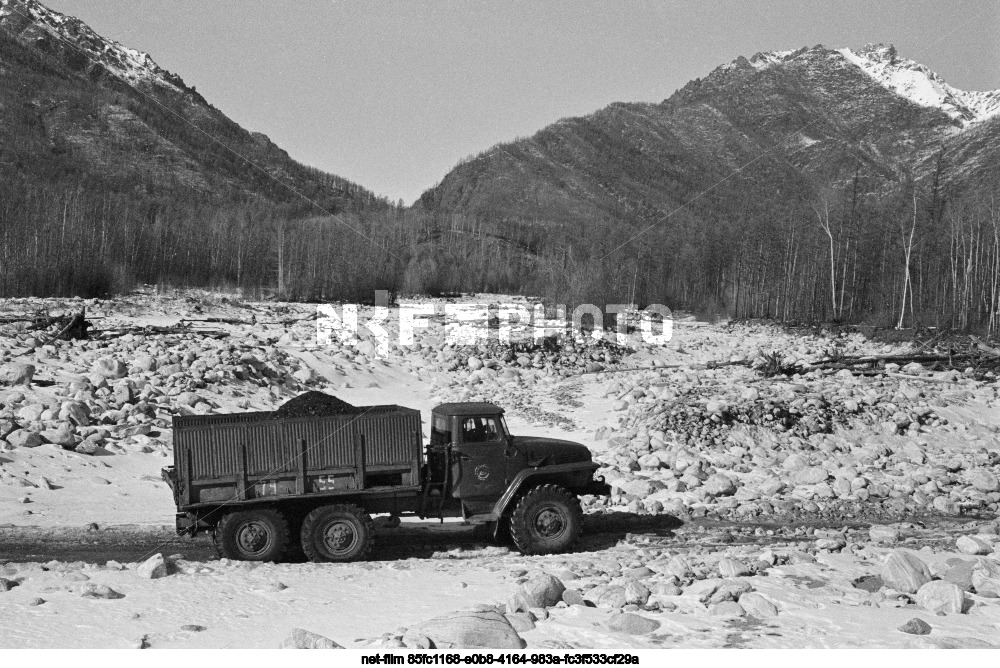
393	93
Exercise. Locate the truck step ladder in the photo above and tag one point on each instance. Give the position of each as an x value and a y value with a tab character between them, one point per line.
441	487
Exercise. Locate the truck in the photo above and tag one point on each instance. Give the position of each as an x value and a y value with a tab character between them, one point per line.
267	485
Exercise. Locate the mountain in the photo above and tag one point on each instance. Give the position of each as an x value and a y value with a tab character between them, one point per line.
809	184
113	172
814	115
73	102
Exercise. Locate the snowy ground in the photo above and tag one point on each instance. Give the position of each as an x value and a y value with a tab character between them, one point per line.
804	565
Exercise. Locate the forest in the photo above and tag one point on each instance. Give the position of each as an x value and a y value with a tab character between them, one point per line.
909	258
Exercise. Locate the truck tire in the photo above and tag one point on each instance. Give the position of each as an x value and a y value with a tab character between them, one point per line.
260	534
337	532
547	519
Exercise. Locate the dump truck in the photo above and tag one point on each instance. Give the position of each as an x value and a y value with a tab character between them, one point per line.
267	485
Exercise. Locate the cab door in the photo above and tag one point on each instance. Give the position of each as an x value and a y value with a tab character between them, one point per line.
480	466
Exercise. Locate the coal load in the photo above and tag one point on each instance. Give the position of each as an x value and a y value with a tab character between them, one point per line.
314	404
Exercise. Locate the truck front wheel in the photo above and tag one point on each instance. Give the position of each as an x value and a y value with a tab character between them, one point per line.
260	534
547	519
337	533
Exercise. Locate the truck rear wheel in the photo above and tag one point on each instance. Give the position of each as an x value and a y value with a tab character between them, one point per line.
547	519
260	534
337	533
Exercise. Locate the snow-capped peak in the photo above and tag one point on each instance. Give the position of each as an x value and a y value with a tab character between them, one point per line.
29	16
768	58
922	86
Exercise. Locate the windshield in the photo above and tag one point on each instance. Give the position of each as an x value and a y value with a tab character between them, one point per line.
503	427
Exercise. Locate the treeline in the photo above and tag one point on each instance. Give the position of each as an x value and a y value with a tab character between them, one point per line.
911	257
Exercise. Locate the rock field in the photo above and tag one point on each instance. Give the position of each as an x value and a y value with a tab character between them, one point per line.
823	509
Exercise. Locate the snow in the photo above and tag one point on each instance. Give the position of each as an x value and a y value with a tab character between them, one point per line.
922	86
126	63
240	605
769	58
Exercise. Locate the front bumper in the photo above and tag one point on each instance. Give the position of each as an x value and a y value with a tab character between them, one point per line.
596	487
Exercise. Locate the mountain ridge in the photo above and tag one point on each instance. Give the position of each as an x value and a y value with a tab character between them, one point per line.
815	91
117	113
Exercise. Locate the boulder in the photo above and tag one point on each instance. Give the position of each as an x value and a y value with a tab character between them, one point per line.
728	609
608	596
24	438
636	593
730	590
144	363
941	596
951	642
63	435
521	621
483	629
973	545
943	504
416	641
719	485
986	578
758	606
916	627
541	591
108	367
810	475
304	375
302	639
188	398
93	590
16	373
905	572
153	568
75	412
984	480
733	568
715	407
959	572
883	534
632	624
638	488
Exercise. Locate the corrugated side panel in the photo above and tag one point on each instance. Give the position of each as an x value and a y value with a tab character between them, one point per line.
391	439
329	442
268	451
213	451
274	446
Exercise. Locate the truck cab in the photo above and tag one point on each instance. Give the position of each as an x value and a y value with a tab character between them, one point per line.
485	460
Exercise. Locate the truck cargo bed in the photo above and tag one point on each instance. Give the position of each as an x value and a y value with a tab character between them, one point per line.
222	459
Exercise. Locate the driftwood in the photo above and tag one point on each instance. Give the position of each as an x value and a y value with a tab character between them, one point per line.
75	328
150	330
225	321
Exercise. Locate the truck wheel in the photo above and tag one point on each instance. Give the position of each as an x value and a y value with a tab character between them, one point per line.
547	519
252	535
337	533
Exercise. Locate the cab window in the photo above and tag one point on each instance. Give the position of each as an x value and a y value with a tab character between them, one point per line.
480	430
